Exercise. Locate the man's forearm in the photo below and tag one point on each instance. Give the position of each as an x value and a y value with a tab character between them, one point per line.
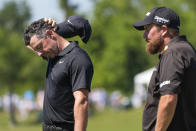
81	110
166	110
81	116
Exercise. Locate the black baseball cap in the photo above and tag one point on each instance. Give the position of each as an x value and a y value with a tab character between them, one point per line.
75	25
159	16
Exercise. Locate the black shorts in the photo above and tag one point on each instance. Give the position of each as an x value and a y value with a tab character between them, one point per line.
58	127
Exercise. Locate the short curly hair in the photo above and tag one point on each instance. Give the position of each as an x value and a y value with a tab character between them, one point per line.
36	28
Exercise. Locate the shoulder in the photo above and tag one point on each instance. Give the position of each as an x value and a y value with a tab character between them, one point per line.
181	48
181	51
181	45
80	58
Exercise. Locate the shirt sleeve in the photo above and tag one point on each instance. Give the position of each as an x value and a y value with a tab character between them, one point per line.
81	72
171	73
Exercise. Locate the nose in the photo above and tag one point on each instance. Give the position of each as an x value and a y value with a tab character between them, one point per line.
39	53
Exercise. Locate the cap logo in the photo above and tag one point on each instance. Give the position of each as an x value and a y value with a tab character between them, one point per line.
161	20
148	13
69	22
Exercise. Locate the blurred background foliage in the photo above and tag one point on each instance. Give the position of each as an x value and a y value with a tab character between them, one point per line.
116	48
19	68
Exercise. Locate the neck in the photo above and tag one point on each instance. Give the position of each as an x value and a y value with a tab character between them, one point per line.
62	43
167	40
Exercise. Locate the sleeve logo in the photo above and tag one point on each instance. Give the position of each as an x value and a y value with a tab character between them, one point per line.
164	83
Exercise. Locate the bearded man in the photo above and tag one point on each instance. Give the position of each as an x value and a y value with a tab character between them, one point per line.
171	99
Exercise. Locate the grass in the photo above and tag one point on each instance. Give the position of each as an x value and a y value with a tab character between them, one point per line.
27	125
108	120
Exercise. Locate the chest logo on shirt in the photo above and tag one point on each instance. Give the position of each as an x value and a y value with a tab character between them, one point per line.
164	83
61	61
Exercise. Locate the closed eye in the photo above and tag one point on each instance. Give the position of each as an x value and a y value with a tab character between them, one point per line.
148	27
39	47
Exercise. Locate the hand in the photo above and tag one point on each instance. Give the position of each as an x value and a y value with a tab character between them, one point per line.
51	22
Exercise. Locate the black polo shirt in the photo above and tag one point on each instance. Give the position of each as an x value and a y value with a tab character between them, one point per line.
71	70
174	74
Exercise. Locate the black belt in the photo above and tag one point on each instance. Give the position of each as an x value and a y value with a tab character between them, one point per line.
53	128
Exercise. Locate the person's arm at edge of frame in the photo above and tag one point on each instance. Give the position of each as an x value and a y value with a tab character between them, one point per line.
166	110
81	109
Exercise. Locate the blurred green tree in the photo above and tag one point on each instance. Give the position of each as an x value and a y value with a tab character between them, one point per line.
18	65
67	7
14	16
19	69
117	49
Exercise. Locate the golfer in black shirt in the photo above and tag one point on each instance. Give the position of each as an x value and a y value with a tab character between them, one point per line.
69	72
171	100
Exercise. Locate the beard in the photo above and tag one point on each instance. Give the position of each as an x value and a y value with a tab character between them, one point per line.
154	46
52	52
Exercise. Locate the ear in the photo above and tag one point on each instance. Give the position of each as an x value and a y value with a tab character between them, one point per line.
49	32
164	30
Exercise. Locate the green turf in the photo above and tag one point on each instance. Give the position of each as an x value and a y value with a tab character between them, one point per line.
109	120
113	120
